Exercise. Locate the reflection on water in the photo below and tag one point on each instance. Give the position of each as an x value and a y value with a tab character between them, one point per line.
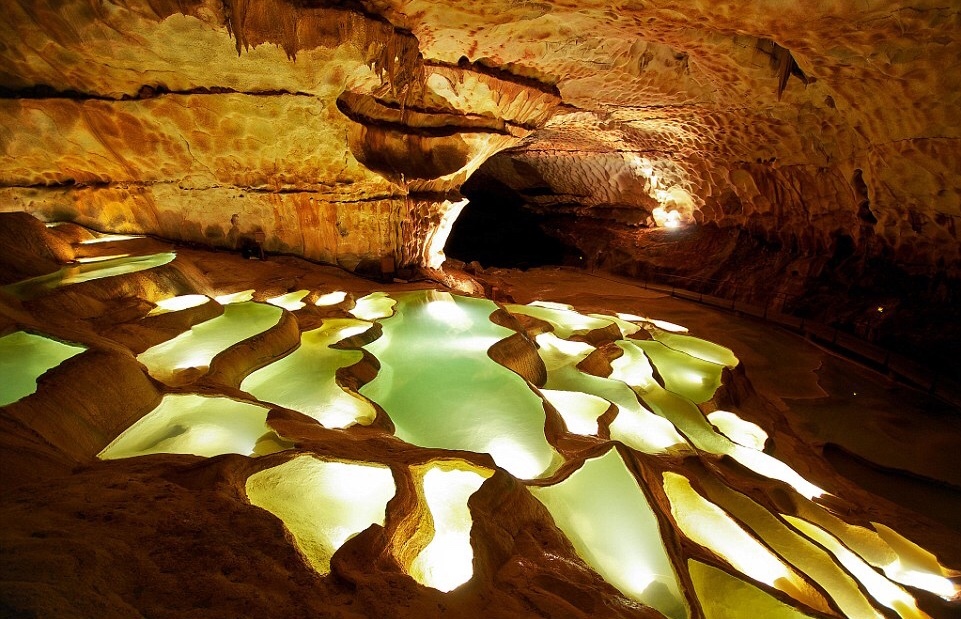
198	346
24	357
86	271
440	388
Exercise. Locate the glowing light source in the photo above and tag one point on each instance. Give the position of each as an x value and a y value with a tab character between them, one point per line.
707	524
770	467
665	218
306	379
437	236
193	424
915	566
290	301
447	560
607	518
323	504
442	307
331	298
24	357
175	304
516	457
666	182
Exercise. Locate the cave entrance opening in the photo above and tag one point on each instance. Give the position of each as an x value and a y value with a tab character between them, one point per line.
498	229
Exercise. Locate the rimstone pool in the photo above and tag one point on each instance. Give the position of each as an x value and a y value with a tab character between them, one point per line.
623	459
25	357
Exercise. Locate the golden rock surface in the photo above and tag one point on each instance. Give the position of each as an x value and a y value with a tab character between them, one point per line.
801	120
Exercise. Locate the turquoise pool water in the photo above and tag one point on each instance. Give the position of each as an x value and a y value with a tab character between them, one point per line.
83	272
24	357
198	346
440	388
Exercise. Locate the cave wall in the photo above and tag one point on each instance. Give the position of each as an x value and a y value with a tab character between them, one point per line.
340	123
321	127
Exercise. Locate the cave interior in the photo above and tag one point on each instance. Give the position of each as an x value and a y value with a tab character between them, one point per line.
423	308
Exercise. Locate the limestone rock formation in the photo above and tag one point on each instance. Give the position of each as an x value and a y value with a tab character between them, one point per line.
800	122
317	126
208	435
805	152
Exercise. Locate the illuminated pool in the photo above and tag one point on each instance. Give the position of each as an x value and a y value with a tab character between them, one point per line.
606	516
433	377
440	388
323	503
634	425
198	346
86	271
24	357
306	381
446	562
197	425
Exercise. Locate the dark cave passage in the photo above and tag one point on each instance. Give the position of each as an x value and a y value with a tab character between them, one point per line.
497	230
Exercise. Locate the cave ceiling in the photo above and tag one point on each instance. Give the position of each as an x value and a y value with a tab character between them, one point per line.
344	130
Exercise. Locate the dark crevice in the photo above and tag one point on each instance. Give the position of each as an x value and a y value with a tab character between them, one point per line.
147	91
467	121
446	130
499	73
434	196
70	184
67	183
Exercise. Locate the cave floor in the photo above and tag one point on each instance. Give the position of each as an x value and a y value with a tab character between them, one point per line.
889	438
169	535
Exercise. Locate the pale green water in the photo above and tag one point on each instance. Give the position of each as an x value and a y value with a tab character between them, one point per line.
566	321
688	376
440	388
305	380
193	424
24	357
634	425
373	306
197	347
75	274
323	504
696	347
723	596
604	513
688	379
